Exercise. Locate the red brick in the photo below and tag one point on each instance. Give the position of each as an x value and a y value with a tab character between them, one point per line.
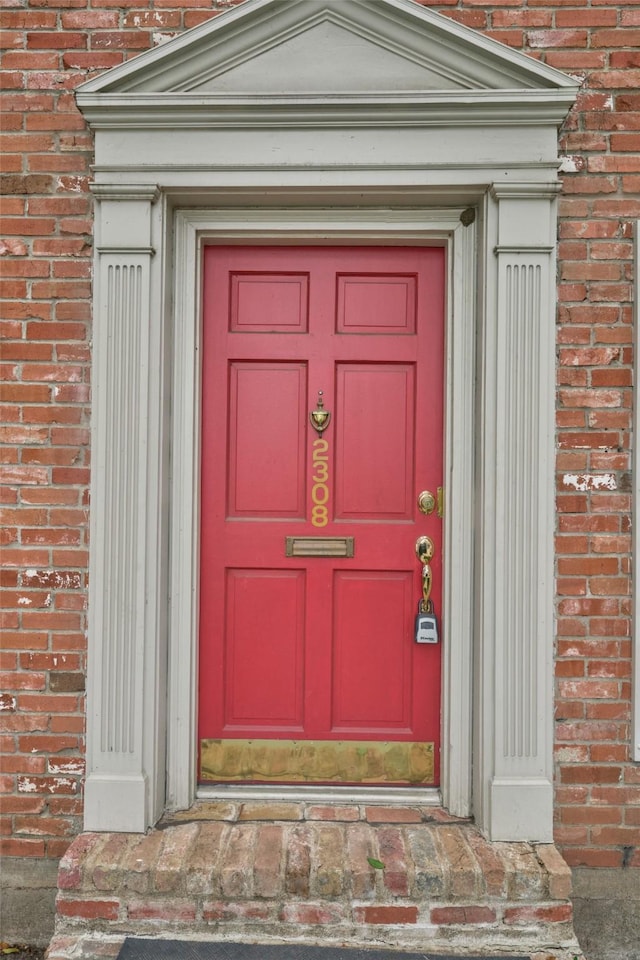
332	812
392	815
385	915
22	847
243	910
123	39
161	910
89	19
616	835
555	913
462	915
312	913
88	909
158	19
591	774
267	861
58	40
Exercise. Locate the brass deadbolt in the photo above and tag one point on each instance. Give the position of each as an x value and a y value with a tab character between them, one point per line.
426	502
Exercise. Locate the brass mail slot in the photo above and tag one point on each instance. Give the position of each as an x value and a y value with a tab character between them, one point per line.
319	546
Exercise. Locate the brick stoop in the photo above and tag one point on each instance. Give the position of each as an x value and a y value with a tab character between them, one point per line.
269	872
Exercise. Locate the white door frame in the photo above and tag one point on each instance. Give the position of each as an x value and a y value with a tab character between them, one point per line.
335	226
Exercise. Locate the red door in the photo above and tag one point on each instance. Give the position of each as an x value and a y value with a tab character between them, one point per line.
309	666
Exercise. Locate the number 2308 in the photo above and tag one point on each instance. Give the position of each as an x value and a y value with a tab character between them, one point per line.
320	477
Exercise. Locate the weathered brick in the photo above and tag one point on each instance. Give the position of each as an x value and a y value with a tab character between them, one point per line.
139	861
242	910
88	909
235	880
461	868
556	913
203	867
267	864
168	876
298	862
312	913
462	915
393	815
327	869
385	915
171	910
393	854
270	811
360	848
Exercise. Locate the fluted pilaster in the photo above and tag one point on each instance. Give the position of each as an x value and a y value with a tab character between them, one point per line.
124	639
516	579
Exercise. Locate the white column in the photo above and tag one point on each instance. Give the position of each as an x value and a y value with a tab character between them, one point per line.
515	579
124	752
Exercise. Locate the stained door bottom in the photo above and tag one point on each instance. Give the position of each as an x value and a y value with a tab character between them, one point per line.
318	761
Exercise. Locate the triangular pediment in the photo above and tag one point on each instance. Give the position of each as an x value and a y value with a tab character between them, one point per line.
327	50
328	57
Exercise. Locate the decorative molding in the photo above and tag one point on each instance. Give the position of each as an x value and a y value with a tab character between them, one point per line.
522	251
144	192
476	109
125	251
525	190
549	167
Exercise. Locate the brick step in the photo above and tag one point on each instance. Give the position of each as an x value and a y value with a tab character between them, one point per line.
265	872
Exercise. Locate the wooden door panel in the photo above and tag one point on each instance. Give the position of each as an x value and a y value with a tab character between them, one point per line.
309	669
375	408
376	304
269	303
264	672
372	652
267	425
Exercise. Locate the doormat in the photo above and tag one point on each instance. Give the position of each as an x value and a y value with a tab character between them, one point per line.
137	949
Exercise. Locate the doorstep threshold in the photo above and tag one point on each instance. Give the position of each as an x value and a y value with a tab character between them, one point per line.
388	796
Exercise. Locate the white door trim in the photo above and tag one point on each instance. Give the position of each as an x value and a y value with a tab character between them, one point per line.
192	229
498	603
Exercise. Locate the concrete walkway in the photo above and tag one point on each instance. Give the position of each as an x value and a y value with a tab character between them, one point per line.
407	877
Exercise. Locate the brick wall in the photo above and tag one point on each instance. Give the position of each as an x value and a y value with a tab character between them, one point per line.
53	45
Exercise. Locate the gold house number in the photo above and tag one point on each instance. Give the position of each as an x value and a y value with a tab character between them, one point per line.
320	477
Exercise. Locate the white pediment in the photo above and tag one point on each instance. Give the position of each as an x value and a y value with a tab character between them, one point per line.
357	52
328	57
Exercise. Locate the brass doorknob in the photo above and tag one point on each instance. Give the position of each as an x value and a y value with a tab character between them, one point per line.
425	549
426	502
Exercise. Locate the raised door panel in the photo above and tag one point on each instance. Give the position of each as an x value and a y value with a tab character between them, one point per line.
268	302
376	303
266	461
264	650
372	661
375	406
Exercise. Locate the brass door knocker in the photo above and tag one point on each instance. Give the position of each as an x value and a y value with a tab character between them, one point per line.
320	417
